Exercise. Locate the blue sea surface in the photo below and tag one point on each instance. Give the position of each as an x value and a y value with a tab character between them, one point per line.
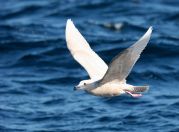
38	73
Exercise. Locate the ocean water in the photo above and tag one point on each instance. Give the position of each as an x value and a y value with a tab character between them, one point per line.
37	72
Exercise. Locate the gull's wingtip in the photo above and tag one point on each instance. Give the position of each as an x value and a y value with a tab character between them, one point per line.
69	26
148	33
69	23
150	30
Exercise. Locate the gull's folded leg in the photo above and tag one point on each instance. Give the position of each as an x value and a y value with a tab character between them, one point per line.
135	95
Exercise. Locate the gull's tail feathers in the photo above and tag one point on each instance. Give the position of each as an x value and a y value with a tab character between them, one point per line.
140	89
137	90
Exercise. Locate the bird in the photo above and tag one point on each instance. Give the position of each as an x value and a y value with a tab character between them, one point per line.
106	80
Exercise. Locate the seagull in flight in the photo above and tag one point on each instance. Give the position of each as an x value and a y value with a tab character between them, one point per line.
106	81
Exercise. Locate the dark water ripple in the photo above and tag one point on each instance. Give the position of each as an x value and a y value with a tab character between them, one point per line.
38	73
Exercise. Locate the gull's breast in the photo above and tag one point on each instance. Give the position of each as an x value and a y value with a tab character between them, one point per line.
107	90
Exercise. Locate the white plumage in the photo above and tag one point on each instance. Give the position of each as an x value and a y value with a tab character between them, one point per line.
82	53
105	81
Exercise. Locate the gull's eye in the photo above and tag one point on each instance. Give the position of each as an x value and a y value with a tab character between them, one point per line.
84	83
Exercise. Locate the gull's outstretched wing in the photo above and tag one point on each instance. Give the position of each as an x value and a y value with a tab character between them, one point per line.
82	52
122	64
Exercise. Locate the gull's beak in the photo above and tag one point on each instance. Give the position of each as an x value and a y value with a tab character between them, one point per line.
76	88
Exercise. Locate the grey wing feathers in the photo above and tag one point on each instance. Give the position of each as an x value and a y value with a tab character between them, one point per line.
122	64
